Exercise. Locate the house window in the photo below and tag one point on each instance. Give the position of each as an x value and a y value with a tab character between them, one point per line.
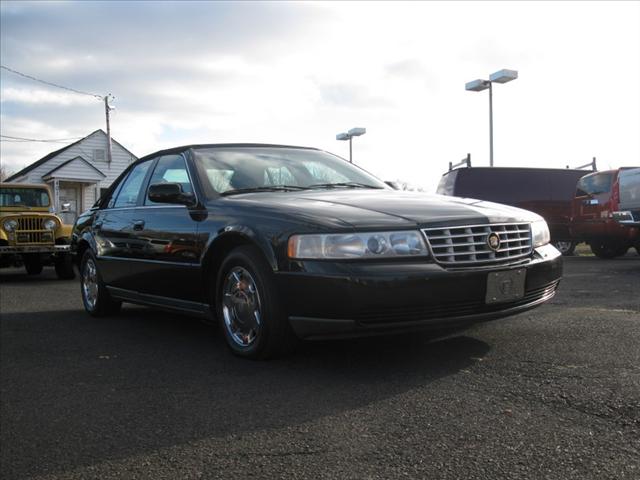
98	155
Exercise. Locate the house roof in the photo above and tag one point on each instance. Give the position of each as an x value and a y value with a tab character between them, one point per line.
75	159
51	155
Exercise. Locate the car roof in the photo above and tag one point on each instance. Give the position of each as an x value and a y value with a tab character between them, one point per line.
198	146
24	185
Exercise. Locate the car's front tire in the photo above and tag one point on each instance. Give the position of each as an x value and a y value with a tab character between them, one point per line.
251	316
95	296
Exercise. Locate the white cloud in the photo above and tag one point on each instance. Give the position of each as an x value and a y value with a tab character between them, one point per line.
299	74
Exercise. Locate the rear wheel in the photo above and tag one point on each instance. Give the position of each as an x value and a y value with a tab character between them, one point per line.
95	296
565	247
32	264
252	319
64	267
604	249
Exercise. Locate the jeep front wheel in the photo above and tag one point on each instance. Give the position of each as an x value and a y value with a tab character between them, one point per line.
32	264
64	267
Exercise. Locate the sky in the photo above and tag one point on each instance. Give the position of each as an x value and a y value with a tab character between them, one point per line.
299	73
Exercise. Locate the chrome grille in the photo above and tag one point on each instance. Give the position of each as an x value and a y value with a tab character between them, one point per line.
468	244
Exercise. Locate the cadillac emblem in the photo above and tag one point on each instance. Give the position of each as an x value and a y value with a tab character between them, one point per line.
493	241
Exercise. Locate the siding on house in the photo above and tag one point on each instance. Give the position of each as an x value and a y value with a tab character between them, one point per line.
85	149
93	149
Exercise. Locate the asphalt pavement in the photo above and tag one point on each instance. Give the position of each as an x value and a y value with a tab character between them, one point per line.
553	393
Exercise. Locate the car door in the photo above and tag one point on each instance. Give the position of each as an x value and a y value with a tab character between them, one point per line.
591	205
167	257
113	228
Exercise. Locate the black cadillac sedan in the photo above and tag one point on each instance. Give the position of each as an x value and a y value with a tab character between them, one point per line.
277	243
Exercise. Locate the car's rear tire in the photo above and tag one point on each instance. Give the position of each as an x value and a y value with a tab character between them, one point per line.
252	319
565	247
64	267
32	264
95	297
607	250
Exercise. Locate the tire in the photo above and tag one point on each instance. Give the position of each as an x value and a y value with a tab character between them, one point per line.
95	297
32	264
64	267
608	250
565	247
248	308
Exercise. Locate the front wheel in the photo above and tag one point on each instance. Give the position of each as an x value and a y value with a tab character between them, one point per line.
565	247
252	319
32	264
64	267
608	250
95	296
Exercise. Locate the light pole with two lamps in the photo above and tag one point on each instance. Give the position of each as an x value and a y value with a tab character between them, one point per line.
502	76
354	132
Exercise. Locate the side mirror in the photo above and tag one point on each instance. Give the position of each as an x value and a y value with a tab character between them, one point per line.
170	193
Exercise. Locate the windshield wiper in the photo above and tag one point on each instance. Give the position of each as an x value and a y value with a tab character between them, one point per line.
269	188
343	185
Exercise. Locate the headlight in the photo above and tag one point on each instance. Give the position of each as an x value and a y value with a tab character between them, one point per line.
540	233
50	224
357	245
10	225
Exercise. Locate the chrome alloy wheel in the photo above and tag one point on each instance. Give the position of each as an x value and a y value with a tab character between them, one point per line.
90	284
241	307
562	246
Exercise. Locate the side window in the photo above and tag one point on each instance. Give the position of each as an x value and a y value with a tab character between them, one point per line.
128	194
594	184
170	169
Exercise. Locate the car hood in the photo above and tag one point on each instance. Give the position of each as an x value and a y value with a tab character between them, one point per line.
383	208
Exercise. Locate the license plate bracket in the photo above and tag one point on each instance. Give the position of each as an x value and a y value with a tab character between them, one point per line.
505	286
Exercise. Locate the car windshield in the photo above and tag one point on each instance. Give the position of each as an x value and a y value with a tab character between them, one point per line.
251	169
24	197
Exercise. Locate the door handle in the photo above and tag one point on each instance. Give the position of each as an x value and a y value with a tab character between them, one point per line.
97	225
138	224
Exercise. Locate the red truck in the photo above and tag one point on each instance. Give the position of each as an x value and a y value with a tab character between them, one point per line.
597	197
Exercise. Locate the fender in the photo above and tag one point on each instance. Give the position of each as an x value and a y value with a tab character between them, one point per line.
245	232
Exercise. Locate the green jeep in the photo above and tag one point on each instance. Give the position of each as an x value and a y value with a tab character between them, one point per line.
30	234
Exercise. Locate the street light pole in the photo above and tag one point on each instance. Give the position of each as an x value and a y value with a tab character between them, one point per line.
490	125
502	76
354	132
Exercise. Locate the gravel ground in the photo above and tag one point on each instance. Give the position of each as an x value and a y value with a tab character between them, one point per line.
553	393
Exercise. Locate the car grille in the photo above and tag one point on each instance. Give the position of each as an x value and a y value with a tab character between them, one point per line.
31	231
467	245
445	310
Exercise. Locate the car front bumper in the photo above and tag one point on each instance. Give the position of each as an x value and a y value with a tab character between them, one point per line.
332	299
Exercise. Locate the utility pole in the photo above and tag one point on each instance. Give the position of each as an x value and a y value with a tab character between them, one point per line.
107	110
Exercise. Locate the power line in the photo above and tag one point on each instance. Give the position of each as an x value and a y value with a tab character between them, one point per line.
99	97
22	139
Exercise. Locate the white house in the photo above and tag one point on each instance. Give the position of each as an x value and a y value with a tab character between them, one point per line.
77	173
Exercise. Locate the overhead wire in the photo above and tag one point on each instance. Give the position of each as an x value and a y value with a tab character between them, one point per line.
51	84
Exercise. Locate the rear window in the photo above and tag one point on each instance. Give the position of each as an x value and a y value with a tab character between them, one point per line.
594	184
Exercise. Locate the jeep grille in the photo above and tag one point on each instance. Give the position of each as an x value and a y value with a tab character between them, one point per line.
467	245
30	231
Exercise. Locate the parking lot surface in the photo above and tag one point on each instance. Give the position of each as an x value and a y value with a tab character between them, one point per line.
553	393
